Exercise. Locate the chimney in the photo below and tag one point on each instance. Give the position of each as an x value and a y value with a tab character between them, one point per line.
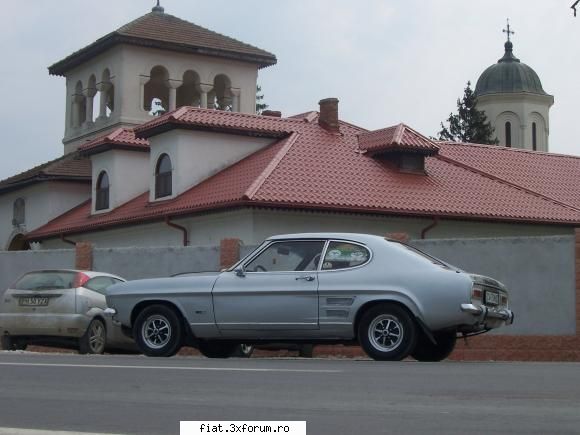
328	118
272	113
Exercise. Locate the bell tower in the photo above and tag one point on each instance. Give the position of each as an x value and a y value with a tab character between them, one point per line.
152	65
511	95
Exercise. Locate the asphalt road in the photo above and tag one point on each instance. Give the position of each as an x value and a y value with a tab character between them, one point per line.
138	395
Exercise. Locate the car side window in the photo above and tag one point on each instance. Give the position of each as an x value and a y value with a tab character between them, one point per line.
290	256
342	255
100	284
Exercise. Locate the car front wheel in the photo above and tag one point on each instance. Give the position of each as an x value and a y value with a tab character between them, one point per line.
387	332
94	339
158	331
426	351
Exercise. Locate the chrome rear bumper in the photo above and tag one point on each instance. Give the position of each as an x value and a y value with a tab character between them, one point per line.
486	313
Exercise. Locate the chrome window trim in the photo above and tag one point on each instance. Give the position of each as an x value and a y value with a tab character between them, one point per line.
369	250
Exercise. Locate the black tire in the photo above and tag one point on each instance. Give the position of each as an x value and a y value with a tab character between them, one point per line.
243	351
426	351
305	350
158	331
217	349
387	332
11	343
94	340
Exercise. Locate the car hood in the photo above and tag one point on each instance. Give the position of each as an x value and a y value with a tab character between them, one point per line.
192	282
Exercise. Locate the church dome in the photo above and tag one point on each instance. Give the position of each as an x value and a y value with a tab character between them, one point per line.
508	75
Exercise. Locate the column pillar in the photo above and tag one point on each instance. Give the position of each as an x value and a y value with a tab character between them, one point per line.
204	90
235	99
173	85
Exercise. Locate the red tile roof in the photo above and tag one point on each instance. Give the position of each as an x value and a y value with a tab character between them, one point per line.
165	31
553	175
70	167
310	168
121	138
397	138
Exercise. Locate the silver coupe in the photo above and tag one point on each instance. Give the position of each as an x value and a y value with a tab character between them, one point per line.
392	299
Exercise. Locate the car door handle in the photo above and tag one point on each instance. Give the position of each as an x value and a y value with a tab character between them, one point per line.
305	278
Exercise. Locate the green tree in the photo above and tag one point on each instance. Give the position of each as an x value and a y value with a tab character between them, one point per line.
469	124
260	105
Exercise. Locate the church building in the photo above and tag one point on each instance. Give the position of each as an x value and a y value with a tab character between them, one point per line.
163	146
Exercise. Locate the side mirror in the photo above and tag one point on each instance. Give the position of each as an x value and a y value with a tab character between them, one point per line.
240	271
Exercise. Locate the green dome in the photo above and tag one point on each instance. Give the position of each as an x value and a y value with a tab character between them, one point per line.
508	75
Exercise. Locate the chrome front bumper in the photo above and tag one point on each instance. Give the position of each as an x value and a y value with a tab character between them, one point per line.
486	313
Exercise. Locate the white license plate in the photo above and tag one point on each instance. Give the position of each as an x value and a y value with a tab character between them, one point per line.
33	301
491	298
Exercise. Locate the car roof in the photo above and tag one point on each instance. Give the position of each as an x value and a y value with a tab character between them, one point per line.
355	237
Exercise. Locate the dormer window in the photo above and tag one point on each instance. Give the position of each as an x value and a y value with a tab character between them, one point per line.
163	177
102	192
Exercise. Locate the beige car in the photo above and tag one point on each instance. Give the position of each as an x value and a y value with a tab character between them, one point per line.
63	308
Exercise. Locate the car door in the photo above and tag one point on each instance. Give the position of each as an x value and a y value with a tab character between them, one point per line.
276	290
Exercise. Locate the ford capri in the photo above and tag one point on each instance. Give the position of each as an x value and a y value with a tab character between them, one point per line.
392	299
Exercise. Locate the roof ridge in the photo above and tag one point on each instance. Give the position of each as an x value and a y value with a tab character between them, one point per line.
506	182
399	131
44	165
507	149
260	179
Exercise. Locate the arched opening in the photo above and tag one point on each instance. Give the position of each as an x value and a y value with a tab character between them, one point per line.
156	87
102	192
508	134
107	94
534	137
19	243
19	212
163	177
79	106
189	94
221	93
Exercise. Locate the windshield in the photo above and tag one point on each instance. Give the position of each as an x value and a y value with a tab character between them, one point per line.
47	280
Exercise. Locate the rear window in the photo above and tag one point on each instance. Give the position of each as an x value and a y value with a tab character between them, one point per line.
420	253
45	281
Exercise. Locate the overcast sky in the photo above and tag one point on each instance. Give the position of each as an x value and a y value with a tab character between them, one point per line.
387	61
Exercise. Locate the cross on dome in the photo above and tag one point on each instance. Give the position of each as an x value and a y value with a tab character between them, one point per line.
508	31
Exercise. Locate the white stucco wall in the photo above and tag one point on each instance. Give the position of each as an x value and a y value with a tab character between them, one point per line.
196	155
128	175
253	226
521	110
44	202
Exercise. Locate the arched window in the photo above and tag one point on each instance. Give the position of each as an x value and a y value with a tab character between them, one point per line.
102	192
19	212
163	172
508	134
221	94
534	137
188	93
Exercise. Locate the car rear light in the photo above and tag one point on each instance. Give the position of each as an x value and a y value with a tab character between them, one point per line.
477	293
504	300
80	280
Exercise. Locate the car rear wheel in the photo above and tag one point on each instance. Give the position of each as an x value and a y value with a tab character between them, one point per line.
426	351
11	343
158	331
217	349
387	332
94	339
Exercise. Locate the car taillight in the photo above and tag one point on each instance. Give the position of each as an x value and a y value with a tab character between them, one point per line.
504	300
80	280
477	293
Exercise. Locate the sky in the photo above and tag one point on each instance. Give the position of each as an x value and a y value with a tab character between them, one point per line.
387	61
